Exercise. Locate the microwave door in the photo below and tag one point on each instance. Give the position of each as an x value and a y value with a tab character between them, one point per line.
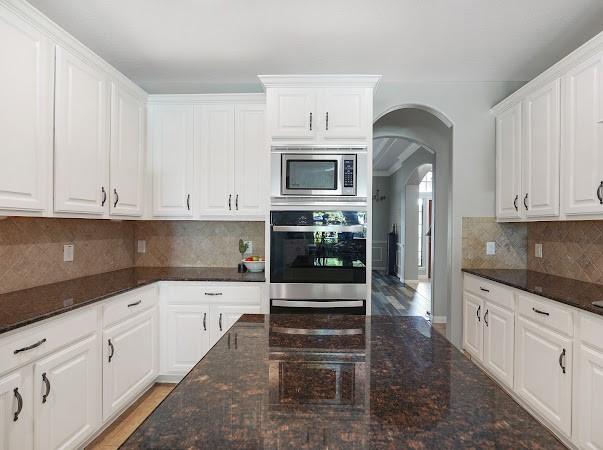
311	175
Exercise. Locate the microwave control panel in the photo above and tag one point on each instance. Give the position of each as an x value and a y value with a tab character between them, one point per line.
349	175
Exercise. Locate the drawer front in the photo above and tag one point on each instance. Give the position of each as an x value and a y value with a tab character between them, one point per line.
590	330
493	292
183	293
129	304
33	343
546	312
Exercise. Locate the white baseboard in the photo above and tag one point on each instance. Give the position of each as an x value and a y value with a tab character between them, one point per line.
439	319
172	379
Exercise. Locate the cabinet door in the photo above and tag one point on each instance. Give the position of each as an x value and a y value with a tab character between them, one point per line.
173	159
473	332
509	198
16	410
215	130
589	392
225	316
26	115
81	136
345	113
127	152
543	372
541	151
251	160
129	360
582	171
67	402
292	113
499	339
187	336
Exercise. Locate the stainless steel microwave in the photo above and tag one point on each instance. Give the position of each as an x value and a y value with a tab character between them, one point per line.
318	174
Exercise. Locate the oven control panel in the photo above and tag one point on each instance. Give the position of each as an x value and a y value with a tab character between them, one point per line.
349	175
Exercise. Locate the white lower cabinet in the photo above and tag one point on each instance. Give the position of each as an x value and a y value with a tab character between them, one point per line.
67	397
225	316
16	410
473	332
499	325
129	360
589	392
543	372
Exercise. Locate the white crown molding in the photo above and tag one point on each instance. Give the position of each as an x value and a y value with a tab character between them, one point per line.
585	51
367	81
202	99
35	18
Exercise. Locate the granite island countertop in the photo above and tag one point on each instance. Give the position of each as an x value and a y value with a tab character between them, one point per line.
337	382
576	293
27	306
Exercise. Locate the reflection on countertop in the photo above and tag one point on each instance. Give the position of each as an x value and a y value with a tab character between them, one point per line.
20	308
337	382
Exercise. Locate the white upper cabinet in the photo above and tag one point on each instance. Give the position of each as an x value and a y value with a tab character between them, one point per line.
541	151
509	197
173	160
251	160
292	113
81	136
216	132
345	113
582	169
128	117
26	83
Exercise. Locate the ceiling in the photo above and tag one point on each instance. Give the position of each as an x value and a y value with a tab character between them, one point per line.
187	46
390	153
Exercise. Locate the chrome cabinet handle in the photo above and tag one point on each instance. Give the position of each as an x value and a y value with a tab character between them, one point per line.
538	311
19	404
230	202
237	202
104	196
562	360
116	198
112	350
30	347
135	303
327	121
486	317
188	202
600	193
525	202
479	309
515	202
47	383
220	322
310	121
204	322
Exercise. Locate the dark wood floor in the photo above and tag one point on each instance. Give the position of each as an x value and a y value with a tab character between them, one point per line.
391	297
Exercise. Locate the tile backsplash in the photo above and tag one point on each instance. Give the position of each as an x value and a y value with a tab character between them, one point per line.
31	249
510	239
196	244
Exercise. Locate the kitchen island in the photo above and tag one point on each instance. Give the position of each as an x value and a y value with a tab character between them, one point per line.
337	382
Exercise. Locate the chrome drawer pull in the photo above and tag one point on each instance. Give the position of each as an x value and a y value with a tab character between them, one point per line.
484	289
537	311
30	347
135	303
213	293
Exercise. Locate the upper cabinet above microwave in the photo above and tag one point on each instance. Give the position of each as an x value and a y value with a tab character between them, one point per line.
319	109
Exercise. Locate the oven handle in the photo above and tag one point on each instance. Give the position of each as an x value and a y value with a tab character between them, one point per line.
323	228
310	304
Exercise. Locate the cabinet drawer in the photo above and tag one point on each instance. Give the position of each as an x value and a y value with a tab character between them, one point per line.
182	293
493	292
45	338
546	312
129	304
590	329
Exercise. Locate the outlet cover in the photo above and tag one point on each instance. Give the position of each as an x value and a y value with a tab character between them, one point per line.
538	250
68	252
490	248
249	248
141	246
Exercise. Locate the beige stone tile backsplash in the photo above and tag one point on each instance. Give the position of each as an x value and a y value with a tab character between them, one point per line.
196	244
510	238
31	249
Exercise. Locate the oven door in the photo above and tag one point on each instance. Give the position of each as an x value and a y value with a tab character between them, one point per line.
311	174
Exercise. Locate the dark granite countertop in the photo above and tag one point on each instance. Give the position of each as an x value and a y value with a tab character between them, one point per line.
579	294
337	382
20	308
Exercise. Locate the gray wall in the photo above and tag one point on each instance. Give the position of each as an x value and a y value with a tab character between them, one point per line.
381	223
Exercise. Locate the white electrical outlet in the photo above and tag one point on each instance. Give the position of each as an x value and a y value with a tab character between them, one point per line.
538	250
68	252
141	246
249	247
490	248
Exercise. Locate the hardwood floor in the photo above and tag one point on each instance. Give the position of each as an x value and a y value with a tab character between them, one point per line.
391	297
125	424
